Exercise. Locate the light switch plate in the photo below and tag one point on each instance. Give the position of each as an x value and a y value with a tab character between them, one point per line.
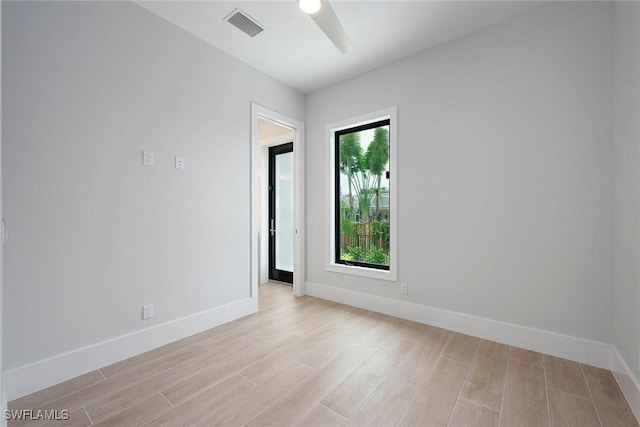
147	158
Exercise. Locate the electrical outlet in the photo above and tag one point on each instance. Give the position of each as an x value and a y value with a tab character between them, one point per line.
147	311
179	162
403	288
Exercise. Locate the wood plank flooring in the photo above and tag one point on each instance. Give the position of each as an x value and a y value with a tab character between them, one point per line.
309	362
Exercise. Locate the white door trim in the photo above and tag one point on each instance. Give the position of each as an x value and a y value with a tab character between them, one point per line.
259	111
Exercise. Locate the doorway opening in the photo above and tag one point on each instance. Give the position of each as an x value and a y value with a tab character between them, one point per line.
277	200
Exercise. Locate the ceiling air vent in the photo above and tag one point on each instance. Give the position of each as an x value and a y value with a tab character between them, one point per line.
244	22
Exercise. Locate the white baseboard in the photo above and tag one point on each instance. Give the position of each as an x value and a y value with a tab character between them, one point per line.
564	346
36	376
629	385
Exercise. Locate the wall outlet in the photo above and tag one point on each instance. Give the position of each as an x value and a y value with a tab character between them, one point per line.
403	288
147	311
179	162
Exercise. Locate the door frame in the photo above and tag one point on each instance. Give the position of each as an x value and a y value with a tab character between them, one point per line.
260	112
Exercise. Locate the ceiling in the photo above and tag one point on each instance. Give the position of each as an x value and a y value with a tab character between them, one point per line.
268	129
293	50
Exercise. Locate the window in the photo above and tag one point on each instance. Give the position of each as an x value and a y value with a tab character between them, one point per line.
363	193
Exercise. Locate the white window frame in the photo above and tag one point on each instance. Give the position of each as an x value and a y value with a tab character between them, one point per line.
331	265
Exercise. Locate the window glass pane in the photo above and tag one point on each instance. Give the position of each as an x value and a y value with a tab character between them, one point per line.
362	172
284	212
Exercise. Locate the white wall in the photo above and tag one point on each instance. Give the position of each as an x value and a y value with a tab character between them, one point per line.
94	234
505	172
626	304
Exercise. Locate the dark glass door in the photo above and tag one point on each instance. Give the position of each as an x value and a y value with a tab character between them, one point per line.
281	221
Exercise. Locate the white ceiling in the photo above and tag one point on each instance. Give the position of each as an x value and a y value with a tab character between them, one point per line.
295	51
268	129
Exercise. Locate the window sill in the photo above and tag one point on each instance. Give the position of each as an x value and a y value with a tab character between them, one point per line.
372	273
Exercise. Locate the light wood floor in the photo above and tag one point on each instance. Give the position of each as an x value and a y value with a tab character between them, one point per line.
309	362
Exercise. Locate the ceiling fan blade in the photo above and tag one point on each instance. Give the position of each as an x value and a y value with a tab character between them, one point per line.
329	23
